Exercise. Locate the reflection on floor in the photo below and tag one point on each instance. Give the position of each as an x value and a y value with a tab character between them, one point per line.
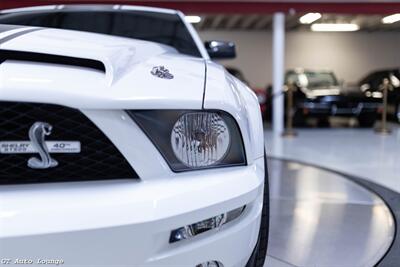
319	218
359	152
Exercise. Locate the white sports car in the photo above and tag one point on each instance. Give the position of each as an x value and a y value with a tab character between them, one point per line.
123	144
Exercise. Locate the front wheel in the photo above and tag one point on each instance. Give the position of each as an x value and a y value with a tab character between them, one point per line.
259	254
367	120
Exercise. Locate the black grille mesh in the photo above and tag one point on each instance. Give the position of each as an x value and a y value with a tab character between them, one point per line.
99	158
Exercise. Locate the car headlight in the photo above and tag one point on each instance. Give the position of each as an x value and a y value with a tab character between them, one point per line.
192	140
200	139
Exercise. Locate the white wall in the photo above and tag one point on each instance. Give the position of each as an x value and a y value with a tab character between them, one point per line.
349	55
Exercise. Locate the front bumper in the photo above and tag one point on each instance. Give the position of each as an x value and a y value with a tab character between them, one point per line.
339	109
128	223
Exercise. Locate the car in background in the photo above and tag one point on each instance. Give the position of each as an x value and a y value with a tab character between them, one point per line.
371	86
318	94
260	93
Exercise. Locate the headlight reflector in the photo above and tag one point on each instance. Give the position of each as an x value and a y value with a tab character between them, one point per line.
193	139
200	139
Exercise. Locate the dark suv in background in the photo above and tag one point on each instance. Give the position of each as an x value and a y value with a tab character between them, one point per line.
371	84
319	94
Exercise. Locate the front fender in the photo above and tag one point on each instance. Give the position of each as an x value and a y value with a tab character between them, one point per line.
227	93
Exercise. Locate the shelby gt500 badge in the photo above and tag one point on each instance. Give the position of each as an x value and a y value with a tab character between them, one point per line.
25	147
37	144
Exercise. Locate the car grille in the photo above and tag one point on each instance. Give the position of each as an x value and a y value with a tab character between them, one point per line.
99	159
347	104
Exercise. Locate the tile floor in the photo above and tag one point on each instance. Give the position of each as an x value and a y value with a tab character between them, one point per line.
319	218
359	152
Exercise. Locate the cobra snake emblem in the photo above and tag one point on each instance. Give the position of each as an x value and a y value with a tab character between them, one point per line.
37	135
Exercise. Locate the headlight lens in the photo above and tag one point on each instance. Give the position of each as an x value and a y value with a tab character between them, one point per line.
192	140
200	139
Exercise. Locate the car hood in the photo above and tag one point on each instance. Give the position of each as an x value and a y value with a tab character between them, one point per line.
126	80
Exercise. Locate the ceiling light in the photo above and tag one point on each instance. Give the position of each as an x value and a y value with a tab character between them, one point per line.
193	19
310	18
334	27
391	19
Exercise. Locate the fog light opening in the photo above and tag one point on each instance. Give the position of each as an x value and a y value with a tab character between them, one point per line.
210	264
197	228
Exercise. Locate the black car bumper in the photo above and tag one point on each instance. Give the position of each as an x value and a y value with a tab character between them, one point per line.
339	109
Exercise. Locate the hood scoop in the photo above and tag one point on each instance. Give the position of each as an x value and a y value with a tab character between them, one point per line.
52	59
113	55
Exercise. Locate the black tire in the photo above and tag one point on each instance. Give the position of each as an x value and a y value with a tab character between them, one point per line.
367	120
259	254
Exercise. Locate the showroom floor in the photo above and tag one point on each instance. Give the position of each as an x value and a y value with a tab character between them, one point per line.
315	211
358	152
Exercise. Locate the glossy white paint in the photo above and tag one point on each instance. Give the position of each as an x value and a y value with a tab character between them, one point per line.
128	222
223	91
127	83
116	203
132	220
14	31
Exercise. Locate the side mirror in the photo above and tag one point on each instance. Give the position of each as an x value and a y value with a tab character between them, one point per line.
220	49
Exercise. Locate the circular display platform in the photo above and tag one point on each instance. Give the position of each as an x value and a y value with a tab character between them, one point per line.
321	218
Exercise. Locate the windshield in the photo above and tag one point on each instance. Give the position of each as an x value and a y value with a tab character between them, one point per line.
162	28
313	79
320	79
